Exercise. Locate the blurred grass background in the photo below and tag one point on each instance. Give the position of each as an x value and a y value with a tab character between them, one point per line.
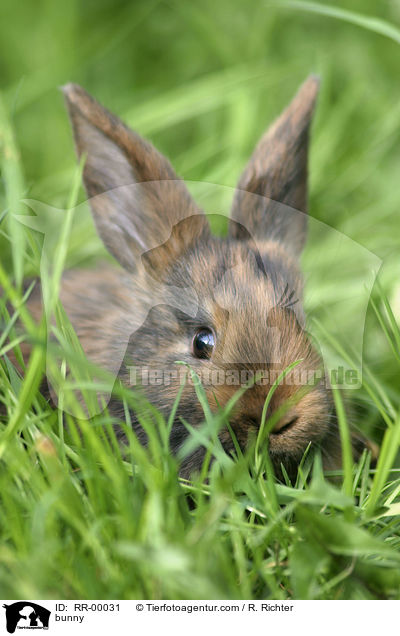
202	81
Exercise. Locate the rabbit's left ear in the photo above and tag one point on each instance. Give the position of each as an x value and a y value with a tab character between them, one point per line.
277	174
136	198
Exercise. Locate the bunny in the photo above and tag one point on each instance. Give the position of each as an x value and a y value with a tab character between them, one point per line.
243	292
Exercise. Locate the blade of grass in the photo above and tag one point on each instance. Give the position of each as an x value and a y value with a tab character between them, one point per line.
388	452
14	182
371	23
345	440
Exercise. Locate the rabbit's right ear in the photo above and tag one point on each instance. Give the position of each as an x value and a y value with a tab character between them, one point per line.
135	196
277	174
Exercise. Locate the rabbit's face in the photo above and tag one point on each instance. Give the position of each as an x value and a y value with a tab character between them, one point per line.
263	337
228	342
242	293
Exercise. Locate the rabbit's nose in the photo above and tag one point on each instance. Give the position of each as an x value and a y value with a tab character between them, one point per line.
285	423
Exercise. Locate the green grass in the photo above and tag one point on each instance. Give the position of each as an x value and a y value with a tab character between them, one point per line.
80	516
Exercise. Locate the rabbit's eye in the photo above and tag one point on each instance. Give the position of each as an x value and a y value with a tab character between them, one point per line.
203	343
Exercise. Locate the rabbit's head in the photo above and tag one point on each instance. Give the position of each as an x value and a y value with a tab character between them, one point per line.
231	307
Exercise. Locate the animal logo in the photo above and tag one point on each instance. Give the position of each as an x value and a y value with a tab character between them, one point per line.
26	615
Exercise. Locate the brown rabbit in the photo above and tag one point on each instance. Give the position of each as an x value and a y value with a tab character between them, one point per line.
246	288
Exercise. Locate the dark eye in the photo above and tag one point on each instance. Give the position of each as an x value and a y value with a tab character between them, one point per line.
203	343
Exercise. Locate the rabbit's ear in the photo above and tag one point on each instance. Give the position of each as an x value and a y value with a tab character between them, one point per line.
277	174
135	196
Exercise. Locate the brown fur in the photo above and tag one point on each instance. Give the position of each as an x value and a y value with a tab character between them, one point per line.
244	285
